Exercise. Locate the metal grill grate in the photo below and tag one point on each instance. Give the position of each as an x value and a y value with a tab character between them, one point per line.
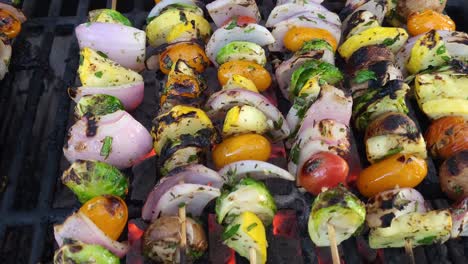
35	112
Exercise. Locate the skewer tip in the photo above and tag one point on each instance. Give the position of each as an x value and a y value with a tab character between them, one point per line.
252	256
333	244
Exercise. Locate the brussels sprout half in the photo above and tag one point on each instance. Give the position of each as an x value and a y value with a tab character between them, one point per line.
88	179
327	73
97	105
247	195
108	16
77	252
241	50
340	208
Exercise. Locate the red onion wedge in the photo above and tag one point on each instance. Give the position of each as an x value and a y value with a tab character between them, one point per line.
15	11
222	10
251	33
194	196
122	44
290	10
116	138
131	95
195	174
79	227
327	130
331	104
460	219
226	99
258	170
308	21
282	2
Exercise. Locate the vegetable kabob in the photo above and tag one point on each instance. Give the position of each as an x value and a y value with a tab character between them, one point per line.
11	20
435	60
182	136
104	136
247	119
393	142
394	145
319	118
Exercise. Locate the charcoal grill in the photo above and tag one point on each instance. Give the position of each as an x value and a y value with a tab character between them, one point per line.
34	115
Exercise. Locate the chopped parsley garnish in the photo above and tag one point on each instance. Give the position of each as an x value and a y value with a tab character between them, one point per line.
106	147
230	232
98	74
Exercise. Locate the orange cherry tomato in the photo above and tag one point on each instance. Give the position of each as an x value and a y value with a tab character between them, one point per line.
191	53
241	20
181	85
241	147
427	20
250	70
9	24
108	212
297	36
447	136
402	170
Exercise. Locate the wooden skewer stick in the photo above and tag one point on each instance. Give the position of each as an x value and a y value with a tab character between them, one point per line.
409	251
333	245
114	4
252	256
183	234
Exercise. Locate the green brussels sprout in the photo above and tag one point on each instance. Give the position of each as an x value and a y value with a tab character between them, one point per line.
327	73
89	178
340	208
97	105
108	16
247	195
76	252
315	44
374	102
241	50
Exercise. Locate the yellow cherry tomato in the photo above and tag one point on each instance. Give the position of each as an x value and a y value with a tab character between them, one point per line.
191	53
422	22
296	36
10	25
402	170
250	70
108	212
241	147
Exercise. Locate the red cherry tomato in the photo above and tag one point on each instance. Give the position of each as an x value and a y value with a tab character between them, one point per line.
241	20
323	169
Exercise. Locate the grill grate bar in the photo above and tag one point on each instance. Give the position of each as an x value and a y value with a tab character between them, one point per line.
25	135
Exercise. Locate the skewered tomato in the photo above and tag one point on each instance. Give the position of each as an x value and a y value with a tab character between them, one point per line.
240	21
447	136
422	22
191	53
251	70
108	212
402	170
10	25
323	170
297	36
242	147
